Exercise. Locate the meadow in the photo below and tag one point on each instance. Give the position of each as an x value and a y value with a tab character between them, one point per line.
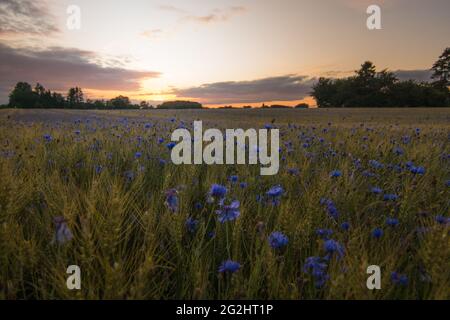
97	189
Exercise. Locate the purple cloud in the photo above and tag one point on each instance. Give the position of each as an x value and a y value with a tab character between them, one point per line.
61	68
284	88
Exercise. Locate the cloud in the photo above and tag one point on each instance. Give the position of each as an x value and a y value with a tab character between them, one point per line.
418	75
151	34
26	17
283	88
216	15
60	68
172	9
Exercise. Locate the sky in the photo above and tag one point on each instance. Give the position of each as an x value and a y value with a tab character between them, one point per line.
217	52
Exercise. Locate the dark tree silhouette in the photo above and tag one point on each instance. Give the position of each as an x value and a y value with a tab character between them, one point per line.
369	88
441	68
120	102
22	96
75	97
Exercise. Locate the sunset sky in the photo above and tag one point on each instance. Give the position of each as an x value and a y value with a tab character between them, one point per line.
213	51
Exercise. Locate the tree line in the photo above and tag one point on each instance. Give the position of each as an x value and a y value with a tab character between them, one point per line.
369	88
24	96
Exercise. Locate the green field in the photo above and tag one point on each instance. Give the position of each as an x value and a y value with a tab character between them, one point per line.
106	176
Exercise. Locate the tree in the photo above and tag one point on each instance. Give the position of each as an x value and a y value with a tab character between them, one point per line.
180	105
369	88
58	100
367	72
324	91
441	69
144	105
22	96
75	97
99	104
39	89
120	102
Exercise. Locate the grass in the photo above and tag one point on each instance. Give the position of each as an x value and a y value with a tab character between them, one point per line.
130	245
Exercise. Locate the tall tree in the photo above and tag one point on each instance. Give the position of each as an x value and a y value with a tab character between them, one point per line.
441	68
39	89
75	97
367	71
22	96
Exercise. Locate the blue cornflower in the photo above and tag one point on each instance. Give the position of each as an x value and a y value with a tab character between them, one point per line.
332	210
417	170
98	169
137	155
406	139
47	137
228	212
325	201
160	140
409	164
317	268
335	174
400	279
172	199
278	240
331	246
233	178
390	197
324	233
331	207
198	205
447	183
377	233
293	171
392	222
375	164
171	145
243	185
229	266
276	191
77	132
368	174
192	224
345	226
211	234
147	125
441	219
218	191
376	190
